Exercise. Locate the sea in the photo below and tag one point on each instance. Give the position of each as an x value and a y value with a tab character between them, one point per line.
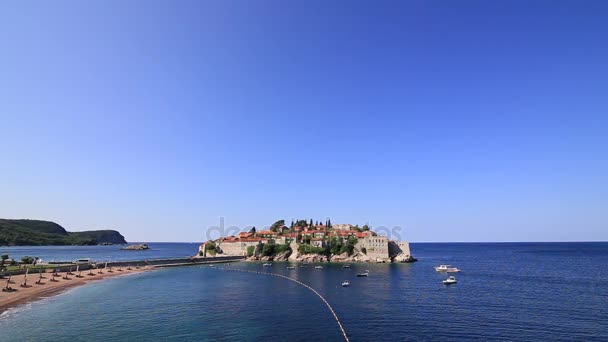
505	292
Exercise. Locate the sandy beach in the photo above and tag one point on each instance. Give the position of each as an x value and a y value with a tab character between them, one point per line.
47	287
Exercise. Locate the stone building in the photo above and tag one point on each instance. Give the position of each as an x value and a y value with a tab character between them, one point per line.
317	242
239	247
342	226
376	247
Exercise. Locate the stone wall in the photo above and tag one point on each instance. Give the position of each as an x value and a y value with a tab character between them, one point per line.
376	247
400	251
236	248
405	248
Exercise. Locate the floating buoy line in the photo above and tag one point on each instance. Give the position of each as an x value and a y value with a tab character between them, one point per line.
299	283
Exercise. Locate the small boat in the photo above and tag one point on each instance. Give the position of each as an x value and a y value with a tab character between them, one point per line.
446	268
211	265
346	283
345	266
303	266
318	267
267	264
291	267
364	274
451	280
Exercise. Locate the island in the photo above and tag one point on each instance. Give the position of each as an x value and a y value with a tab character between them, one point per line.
140	247
23	232
305	241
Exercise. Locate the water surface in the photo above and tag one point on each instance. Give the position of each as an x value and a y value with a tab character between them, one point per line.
518	292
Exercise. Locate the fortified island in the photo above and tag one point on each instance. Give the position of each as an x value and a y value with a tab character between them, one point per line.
305	241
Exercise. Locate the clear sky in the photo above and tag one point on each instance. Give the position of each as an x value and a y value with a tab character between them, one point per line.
455	120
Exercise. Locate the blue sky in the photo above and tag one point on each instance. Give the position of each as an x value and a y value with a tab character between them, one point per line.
457	121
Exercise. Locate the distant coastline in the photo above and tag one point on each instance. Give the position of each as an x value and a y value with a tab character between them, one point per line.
24	232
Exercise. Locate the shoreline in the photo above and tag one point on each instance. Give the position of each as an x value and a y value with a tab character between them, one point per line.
35	292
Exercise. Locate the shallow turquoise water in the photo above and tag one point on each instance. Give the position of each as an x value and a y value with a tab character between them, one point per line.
519	292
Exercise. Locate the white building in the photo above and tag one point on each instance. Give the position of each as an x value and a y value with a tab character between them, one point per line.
342	226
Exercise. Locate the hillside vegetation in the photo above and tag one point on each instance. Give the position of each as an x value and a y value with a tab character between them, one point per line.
44	233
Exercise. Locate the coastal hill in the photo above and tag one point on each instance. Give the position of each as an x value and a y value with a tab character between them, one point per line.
45	233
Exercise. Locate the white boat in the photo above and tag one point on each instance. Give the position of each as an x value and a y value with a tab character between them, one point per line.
346	266
346	283
451	280
446	268
318	267
291	268
267	264
364	274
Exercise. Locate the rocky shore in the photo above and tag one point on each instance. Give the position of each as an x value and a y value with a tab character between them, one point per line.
357	256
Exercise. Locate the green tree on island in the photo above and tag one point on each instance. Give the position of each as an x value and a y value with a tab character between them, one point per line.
277	225
210	248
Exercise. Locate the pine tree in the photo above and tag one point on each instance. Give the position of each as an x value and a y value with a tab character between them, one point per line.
310	222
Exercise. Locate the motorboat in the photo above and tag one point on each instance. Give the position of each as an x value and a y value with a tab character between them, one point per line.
364	274
346	283
291	268
318	267
446	268
267	264
345	266
451	280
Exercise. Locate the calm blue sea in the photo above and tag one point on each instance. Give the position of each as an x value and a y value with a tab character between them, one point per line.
507	291
102	253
